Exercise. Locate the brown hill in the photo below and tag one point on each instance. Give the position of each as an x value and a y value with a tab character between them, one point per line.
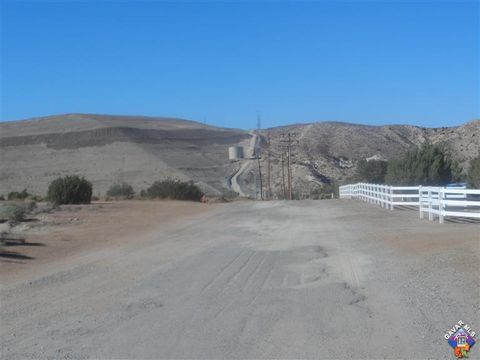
139	150
108	149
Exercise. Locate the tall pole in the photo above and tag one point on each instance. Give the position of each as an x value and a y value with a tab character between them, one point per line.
289	175
289	171
260	175
269	187
289	142
283	177
257	155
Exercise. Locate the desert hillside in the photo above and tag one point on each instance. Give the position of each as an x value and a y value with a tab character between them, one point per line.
109	149
328	151
139	150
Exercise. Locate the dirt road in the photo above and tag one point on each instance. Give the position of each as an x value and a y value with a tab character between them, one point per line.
300	279
245	164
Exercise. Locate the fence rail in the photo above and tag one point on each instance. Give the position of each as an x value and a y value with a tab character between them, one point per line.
435	202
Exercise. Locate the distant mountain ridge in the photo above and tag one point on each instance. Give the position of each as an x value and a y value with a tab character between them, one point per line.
140	150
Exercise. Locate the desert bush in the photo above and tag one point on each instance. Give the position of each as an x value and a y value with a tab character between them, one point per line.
372	171
425	165
13	213
228	194
323	192
30	205
174	189
473	175
122	190
36	198
70	190
15	195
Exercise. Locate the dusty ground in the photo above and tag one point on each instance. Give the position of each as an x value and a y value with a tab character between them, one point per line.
301	279
67	231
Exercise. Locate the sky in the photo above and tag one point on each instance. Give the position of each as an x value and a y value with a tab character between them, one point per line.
223	63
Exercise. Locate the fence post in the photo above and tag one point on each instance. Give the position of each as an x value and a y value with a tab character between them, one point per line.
381	196
440	206
391	197
430	213
420	201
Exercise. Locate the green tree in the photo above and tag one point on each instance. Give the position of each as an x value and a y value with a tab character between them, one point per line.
372	171
70	190
426	165
473	176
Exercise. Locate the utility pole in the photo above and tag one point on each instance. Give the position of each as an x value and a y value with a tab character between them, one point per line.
260	175
289	171
283	177
257	155
289	144
269	186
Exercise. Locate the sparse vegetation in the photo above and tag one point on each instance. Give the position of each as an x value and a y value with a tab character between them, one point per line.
229	194
30	205
174	189
473	176
323	192
70	190
372	171
13	213
15	195
425	165
122	190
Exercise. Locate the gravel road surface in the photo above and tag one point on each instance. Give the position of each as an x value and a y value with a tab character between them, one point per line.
300	279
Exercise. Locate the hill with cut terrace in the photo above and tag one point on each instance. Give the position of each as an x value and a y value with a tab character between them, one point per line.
139	150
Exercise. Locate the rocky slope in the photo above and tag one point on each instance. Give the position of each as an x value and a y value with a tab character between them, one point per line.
328	151
140	150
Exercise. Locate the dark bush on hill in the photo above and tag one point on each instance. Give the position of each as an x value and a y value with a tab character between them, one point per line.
474	172
372	171
174	189
425	165
70	190
122	190
15	195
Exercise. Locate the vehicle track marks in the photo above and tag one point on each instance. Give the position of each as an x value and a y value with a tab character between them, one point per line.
220	274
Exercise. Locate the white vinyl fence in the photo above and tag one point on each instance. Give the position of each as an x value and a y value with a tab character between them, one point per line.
433	202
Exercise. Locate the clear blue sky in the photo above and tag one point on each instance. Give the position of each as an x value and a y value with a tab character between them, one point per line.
359	61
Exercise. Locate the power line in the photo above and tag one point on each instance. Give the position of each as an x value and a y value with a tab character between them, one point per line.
288	139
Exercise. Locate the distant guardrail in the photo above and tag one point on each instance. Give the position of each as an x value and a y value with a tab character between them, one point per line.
435	202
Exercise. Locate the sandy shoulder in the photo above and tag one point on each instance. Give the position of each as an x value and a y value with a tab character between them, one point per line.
75	229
